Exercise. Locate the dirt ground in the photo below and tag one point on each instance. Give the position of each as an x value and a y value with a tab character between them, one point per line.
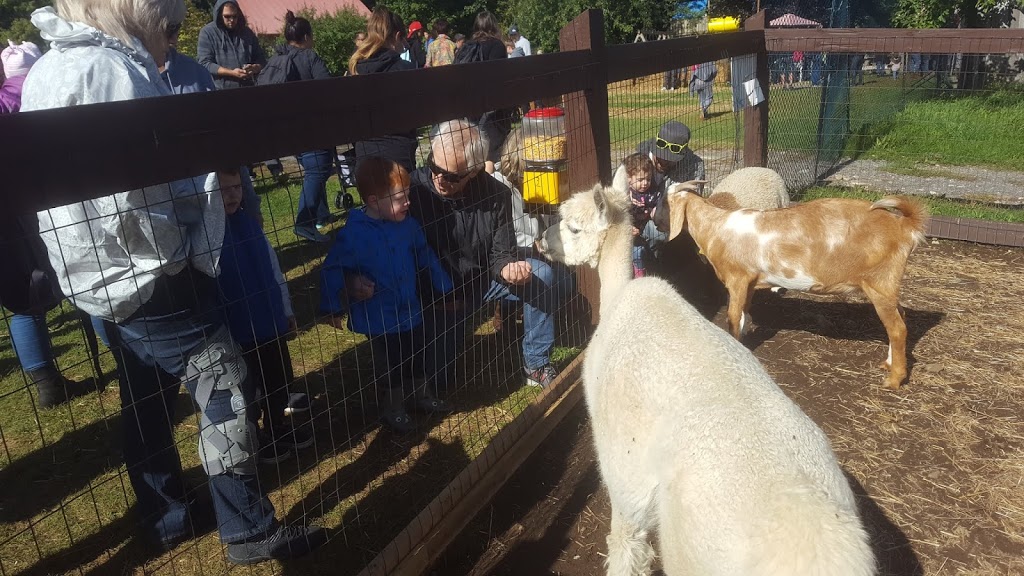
937	466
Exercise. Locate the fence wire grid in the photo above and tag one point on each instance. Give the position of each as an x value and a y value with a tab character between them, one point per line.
69	505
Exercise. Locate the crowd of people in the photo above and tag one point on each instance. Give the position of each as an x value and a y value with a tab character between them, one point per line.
180	281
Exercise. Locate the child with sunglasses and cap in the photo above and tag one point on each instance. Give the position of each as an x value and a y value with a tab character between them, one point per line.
371	272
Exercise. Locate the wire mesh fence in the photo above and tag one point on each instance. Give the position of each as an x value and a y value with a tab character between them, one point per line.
382	359
897	121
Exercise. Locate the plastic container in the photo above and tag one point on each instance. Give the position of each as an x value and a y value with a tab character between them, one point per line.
724	24
543	182
544	135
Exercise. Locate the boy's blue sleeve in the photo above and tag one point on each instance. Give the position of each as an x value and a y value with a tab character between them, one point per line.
425	256
332	275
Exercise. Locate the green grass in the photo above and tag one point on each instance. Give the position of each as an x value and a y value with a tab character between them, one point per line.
974	209
64	479
889	120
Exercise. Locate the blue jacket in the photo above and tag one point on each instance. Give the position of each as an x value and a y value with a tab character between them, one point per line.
186	76
391	254
250	289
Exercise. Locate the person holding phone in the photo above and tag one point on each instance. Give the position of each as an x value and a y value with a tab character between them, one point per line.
229	48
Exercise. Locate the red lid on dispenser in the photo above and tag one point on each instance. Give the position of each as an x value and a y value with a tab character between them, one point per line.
553	112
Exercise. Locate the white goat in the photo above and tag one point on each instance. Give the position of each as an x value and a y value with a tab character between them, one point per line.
752	188
828	246
694	439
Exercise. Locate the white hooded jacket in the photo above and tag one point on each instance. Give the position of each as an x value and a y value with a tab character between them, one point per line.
108	252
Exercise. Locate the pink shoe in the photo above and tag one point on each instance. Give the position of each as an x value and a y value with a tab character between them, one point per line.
639	272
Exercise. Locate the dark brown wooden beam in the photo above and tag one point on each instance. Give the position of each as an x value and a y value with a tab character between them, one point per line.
73	154
884	40
628	61
755	118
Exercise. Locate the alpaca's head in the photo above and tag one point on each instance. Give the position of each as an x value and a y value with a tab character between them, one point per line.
586	219
670	216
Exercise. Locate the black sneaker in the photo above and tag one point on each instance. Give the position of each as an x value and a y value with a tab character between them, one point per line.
297	402
541	377
278	446
397	420
287	542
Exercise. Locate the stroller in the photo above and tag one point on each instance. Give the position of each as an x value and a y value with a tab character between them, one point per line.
346	166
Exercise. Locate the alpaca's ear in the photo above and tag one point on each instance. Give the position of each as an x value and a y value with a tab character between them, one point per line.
621	180
601	203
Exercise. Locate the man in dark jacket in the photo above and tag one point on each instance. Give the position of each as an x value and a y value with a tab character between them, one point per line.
229	48
417	49
467	217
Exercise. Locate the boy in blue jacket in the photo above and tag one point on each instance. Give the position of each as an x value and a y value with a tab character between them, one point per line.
259	315
371	273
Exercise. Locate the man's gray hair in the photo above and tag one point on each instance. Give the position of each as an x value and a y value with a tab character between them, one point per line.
145	20
453	134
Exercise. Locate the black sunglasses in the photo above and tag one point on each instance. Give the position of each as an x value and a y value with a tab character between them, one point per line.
449	177
672	147
172	30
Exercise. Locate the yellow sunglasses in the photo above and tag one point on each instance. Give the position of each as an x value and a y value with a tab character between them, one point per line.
672	147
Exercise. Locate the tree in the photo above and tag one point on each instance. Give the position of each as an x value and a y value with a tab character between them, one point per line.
14	21
943	13
541	20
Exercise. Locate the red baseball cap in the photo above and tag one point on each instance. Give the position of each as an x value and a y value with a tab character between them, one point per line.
414	26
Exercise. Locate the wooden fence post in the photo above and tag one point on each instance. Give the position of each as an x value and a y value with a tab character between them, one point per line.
755	118
588	135
586	112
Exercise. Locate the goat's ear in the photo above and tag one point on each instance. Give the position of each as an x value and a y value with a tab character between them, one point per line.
675	206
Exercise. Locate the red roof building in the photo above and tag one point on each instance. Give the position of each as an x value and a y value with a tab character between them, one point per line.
793	21
267	16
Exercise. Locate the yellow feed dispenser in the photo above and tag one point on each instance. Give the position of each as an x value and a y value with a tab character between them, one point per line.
544	152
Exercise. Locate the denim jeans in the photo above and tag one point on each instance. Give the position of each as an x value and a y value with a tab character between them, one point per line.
648	244
152	348
313	209
31	341
541	297
673	79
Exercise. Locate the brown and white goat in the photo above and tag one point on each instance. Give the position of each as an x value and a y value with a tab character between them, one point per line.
827	246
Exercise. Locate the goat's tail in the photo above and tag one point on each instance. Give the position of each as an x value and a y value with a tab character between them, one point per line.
805	533
915	214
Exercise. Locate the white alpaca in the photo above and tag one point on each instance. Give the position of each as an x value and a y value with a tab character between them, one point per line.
695	440
751	188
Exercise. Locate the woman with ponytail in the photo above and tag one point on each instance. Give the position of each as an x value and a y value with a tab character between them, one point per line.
381	52
305	64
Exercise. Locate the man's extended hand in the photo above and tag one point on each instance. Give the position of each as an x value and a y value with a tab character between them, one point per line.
517	273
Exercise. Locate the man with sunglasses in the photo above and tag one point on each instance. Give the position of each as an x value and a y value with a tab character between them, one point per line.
467	217
229	48
671	154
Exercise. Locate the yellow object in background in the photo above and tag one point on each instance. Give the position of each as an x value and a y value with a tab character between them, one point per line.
724	24
543	186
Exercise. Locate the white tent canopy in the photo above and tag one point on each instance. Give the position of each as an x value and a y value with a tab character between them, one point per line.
793	21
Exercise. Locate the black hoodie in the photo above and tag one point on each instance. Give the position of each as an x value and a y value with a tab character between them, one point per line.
219	47
398	147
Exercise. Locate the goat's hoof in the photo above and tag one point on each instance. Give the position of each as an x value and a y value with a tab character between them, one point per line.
893	383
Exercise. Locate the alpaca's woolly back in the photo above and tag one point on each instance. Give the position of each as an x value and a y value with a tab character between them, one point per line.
751	188
685	416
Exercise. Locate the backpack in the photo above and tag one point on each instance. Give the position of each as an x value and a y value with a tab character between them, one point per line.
280	68
471	51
